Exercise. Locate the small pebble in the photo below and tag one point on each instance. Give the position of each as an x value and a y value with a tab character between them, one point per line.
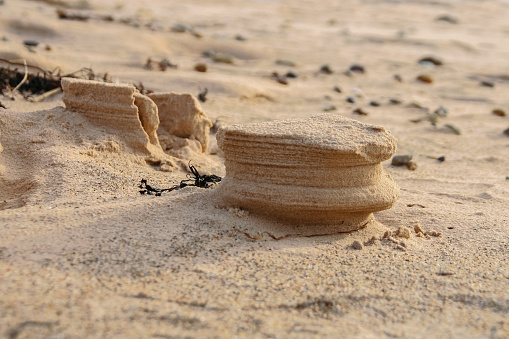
415	104
412	166
30	43
288	63
506	132
325	69
356	245
48	48
357	69
327	97
337	89
292	75
499	112
394	101
222	58
398	78
239	37
403	232
441	111
329	108
447	18
487	84
441	159
507	177
430	60
375	103
180	28
280	78
350	100
357	92
453	128
425	78
400	160
200	67
5	38
360	111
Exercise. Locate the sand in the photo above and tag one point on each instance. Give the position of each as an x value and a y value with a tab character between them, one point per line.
83	254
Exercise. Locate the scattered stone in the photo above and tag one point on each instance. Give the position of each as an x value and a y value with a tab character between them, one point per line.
415	104
412	166
360	111
337	89
329	108
288	63
418	228
325	69
180	28
506	132
430	60
218	123
202	96
292	75
200	67
506	178
356	245
375	103
453	128
441	111
394	101
357	92
222	58
401	160
153	161
425	78
499	112
398	78
327	97
356	68
350	100
239	37
279	78
31	43
48	48
441	158
487	84
403	232
447	18
402	244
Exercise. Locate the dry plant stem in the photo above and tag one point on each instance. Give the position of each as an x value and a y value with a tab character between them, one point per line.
24	78
46	95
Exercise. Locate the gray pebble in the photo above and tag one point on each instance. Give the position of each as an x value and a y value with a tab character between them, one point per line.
30	43
394	101
337	89
356	245
350	100
400	160
430	60
180	28
506	132
487	84
329	108
325	69
357	69
441	111
288	63
375	103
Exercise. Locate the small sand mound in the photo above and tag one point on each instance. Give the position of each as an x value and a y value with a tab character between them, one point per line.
268	168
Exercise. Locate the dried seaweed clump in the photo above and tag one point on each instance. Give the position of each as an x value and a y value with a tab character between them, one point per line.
324	170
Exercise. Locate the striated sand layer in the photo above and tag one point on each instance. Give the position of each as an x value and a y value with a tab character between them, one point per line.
84	255
323	171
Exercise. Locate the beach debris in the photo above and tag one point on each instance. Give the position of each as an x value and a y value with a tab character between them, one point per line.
506	132
337	89
441	111
374	103
65	15
200	67
428	79
162	64
455	129
356	68
268	165
447	18
430	60
288	63
194	179
499	112
202	96
116	106
401	160
329	108
350	100
181	115
325	69
356	245
486	83
359	111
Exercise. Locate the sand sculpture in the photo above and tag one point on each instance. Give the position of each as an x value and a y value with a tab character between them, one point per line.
324	170
116	106
181	115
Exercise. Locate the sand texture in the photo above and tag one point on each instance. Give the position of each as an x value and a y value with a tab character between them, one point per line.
84	255
323	171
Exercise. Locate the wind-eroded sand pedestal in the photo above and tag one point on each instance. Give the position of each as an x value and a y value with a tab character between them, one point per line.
323	171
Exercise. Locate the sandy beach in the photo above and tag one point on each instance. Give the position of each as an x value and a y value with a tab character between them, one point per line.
84	255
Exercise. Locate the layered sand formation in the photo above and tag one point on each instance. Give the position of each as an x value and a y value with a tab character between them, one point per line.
324	170
116	106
